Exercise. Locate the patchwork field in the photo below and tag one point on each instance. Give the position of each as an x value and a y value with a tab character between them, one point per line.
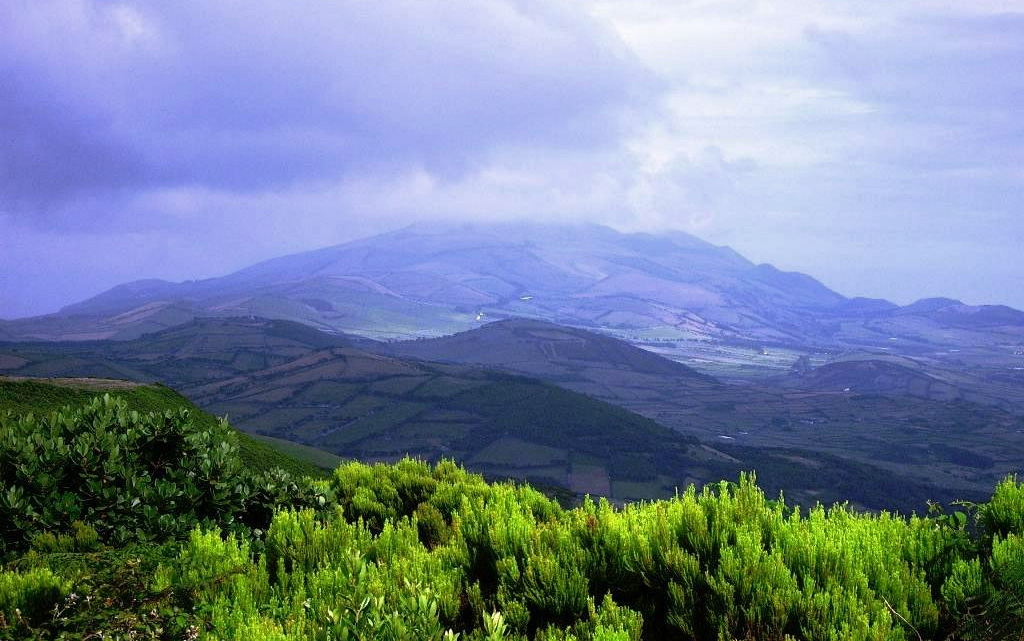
610	419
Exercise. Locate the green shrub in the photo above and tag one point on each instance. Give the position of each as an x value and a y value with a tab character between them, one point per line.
129	476
431	525
28	598
82	538
410	551
1004	514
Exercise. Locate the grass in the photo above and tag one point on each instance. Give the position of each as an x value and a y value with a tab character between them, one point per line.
512	451
311	455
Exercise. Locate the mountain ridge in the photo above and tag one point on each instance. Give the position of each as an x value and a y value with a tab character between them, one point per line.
434	280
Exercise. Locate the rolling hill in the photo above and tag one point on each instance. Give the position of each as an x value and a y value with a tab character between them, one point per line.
878	375
197	350
283	380
879	410
581	360
374	407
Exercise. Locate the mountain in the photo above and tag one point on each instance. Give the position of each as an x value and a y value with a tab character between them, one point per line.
537	346
284	380
198	350
953	313
877	409
374	407
581	360
438	279
875	375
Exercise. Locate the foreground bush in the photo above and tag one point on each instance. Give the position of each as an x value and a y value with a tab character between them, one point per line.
129	476
722	563
27	598
413	551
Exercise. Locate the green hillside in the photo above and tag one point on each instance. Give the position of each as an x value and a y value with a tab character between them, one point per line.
868	414
281	380
286	381
50	395
116	524
378	408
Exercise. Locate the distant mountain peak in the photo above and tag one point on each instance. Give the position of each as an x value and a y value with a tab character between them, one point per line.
432	279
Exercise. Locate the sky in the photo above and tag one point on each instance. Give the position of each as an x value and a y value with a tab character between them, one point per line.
875	145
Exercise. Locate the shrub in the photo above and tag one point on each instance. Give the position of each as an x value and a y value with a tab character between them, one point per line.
27	598
410	551
129	476
1004	514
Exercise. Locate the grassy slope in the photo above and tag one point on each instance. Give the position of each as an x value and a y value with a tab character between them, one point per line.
369	407
319	458
39	397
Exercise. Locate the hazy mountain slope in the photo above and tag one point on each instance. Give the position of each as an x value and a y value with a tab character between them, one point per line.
555	353
380	408
439	278
286	380
960	446
199	350
432	280
877	409
875	376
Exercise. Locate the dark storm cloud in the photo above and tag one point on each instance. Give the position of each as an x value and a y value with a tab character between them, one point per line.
116	97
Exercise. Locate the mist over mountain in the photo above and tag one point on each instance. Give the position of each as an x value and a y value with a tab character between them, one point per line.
437	279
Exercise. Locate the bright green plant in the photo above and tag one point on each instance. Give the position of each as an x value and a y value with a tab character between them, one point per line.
27	598
412	551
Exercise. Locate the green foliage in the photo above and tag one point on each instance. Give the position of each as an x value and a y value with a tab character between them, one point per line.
27	597
110	594
1004	514
128	476
414	551
42	398
82	538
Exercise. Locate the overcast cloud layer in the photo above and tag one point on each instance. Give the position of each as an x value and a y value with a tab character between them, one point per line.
875	145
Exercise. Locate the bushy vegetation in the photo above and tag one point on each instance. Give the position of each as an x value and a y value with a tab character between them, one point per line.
130	476
414	551
44	397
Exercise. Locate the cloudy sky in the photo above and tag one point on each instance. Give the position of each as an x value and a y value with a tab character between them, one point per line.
876	145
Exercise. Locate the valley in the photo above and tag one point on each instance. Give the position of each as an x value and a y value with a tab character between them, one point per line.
869	410
557	406
625	365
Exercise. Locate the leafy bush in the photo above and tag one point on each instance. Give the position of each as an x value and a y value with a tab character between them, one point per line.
1004	514
43	397
82	538
130	476
413	551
